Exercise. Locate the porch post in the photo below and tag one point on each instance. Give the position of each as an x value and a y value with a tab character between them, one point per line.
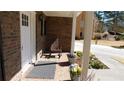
73	32
88	28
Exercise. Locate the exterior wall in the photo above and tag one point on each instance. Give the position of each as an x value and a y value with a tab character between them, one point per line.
55	27
96	27
60	27
10	27
79	29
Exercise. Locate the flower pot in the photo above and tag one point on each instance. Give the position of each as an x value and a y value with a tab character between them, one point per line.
75	72
75	77
72	60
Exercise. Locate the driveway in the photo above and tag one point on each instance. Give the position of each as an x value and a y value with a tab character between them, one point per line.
105	54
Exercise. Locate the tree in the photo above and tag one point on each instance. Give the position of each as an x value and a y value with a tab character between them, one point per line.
100	16
110	18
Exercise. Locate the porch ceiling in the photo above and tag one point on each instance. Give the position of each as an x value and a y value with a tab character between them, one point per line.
59	13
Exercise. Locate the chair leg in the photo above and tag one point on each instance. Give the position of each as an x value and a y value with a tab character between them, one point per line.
49	54
60	54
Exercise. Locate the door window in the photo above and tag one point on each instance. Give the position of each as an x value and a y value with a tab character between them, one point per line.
25	20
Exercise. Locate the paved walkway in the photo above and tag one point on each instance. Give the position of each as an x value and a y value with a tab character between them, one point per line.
105	54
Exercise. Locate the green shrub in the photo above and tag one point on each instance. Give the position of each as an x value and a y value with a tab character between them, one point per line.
95	63
75	70
79	53
119	37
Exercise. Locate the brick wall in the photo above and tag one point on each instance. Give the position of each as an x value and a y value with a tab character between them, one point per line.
78	25
10	27
55	27
60	27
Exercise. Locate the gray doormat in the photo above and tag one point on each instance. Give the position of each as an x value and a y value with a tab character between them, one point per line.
43	70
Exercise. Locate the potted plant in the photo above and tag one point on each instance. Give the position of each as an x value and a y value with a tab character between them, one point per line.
79	55
71	58
75	72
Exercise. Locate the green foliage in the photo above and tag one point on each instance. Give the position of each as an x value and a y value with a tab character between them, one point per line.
119	37
79	54
95	63
110	18
75	70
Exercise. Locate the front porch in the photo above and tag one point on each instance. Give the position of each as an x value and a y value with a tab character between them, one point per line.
58	69
59	73
63	27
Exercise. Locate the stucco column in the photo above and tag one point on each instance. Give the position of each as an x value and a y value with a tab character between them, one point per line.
88	28
73	33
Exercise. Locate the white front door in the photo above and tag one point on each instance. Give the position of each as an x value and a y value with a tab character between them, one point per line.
25	38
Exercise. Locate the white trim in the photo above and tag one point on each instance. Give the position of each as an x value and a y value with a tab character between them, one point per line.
21	73
73	32
59	13
33	37
78	13
39	54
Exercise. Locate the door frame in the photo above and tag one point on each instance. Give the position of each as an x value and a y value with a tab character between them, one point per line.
32	38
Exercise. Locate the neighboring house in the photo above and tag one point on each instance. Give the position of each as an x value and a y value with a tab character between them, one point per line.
80	25
25	34
105	36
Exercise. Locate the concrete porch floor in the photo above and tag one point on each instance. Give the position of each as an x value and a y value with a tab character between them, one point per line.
61	72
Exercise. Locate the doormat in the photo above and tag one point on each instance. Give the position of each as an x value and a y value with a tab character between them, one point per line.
43	70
